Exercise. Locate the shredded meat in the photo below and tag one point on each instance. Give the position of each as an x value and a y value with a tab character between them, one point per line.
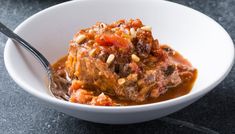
121	60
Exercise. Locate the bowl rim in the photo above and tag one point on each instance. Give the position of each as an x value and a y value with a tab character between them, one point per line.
115	109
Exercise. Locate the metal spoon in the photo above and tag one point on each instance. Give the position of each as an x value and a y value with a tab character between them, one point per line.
57	85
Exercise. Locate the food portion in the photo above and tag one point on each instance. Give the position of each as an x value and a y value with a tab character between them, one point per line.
122	64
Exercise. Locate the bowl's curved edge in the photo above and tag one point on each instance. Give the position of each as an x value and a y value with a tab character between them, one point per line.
104	109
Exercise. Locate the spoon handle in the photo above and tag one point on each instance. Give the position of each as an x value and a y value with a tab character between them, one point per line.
9	33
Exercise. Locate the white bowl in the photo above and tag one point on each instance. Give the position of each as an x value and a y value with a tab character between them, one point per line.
199	38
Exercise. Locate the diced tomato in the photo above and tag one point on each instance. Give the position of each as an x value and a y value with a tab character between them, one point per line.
112	39
136	23
81	96
76	84
102	100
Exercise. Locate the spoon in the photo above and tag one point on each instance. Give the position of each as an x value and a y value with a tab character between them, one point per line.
57	85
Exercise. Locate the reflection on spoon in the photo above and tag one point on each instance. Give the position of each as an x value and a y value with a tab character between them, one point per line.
56	83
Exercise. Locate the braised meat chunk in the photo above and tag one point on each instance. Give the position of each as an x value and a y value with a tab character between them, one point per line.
122	61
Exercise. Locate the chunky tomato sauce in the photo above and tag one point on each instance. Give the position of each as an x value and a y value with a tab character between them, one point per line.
122	64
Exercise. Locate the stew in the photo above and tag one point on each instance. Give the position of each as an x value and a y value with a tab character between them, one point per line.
122	64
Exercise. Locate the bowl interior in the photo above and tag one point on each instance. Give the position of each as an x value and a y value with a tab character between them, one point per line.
198	38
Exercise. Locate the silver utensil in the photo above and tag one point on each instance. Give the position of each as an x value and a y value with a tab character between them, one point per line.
57	85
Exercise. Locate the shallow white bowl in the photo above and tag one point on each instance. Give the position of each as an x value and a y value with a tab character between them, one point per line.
204	42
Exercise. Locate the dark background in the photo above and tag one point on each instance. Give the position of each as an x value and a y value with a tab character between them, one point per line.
21	113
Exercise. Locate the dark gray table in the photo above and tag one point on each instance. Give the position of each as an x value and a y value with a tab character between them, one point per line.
21	113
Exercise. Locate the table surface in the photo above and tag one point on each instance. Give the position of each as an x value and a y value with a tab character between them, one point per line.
21	113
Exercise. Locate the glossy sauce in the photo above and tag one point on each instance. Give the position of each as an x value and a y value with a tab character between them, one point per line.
171	93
